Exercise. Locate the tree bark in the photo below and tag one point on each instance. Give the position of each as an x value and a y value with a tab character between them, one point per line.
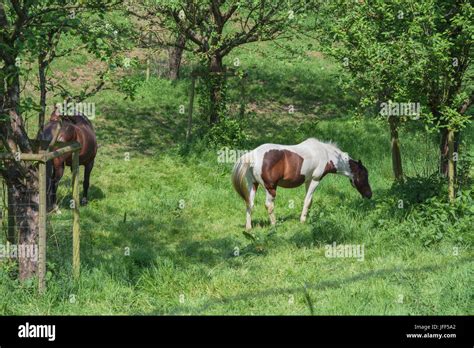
175	54
25	205
216	88
21	178
444	151
395	147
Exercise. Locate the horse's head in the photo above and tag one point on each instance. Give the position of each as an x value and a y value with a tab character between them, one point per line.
360	178
50	133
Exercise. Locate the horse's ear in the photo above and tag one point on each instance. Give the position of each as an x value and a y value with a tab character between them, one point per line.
55	115
360	162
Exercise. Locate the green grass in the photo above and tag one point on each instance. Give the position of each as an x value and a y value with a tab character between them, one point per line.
182	223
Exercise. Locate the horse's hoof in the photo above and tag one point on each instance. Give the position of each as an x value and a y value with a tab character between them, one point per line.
84	201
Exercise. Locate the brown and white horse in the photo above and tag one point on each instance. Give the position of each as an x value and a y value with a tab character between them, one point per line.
289	166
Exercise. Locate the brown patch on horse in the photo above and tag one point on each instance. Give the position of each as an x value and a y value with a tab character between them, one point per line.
282	168
330	168
361	178
355	168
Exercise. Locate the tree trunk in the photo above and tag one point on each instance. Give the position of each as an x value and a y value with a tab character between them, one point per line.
175	55
216	88
25	201
395	147
451	164
444	151
21	178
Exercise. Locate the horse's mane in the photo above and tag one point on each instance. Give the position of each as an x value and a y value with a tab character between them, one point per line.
330	144
76	119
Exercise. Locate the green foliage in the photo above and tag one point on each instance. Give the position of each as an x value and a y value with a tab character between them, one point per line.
404	51
465	167
373	41
228	132
208	84
419	209
129	85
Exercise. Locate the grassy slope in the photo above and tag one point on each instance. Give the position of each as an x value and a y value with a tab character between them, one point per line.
188	252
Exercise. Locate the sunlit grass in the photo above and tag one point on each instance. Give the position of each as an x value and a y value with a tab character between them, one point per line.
163	232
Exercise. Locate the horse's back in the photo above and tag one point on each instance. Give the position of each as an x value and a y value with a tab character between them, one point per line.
289	165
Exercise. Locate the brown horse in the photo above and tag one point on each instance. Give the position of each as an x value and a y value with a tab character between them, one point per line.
69	128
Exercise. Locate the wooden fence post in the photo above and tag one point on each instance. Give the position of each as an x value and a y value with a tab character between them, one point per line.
42	229
190	111
11	217
76	255
242	97
451	192
147	75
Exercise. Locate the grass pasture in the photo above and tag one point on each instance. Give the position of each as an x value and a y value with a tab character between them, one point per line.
163	232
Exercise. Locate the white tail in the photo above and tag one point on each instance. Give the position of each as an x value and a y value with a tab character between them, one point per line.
239	179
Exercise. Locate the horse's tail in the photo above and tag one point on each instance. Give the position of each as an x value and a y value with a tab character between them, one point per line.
239	175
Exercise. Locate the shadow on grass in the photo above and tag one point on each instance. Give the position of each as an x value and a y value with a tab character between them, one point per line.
329	284
144	130
124	243
265	222
95	194
306	89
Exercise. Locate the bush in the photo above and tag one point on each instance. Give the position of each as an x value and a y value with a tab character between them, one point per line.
228	132
420	209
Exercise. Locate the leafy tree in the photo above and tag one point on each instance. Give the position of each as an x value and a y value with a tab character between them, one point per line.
402	51
151	33
31	30
447	77
371	41
213	28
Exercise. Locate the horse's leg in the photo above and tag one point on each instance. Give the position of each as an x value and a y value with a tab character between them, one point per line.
310	187
57	175
269	203
252	192
87	174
